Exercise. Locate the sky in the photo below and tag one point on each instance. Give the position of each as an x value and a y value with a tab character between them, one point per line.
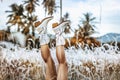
109	10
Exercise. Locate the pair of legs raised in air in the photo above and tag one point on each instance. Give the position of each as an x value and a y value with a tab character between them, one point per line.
62	70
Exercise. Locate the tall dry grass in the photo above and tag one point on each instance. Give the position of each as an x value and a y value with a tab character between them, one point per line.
25	70
95	65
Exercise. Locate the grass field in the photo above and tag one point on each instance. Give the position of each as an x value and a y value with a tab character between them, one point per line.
97	64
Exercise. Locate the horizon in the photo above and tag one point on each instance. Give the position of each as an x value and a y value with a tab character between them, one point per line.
107	11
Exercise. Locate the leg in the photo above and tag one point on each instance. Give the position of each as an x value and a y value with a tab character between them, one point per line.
45	51
50	66
60	42
62	69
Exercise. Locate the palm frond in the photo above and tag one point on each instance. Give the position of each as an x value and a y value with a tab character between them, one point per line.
10	15
37	3
25	2
92	19
7	11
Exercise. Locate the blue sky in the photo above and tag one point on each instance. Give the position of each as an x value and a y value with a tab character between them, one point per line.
110	13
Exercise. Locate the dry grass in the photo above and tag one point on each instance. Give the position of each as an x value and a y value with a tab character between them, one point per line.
91	71
25	70
20	70
98	69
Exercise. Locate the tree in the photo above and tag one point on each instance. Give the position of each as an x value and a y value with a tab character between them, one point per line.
88	23
64	18
88	28
30	8
49	6
16	15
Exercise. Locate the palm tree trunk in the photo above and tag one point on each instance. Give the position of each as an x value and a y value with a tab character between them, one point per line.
45	12
100	14
60	9
33	30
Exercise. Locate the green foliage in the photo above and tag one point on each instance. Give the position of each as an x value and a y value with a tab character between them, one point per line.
88	25
50	6
18	15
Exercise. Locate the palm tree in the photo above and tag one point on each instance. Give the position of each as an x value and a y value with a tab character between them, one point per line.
88	28
30	7
49	6
64	18
16	15
88	24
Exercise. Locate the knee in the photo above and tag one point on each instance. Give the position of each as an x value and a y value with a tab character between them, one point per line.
61	60
66	64
45	57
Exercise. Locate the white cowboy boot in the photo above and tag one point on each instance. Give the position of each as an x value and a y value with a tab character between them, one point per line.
59	29
42	30
42	26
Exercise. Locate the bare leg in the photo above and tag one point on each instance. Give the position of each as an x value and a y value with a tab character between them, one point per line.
45	52
50	66
62	68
